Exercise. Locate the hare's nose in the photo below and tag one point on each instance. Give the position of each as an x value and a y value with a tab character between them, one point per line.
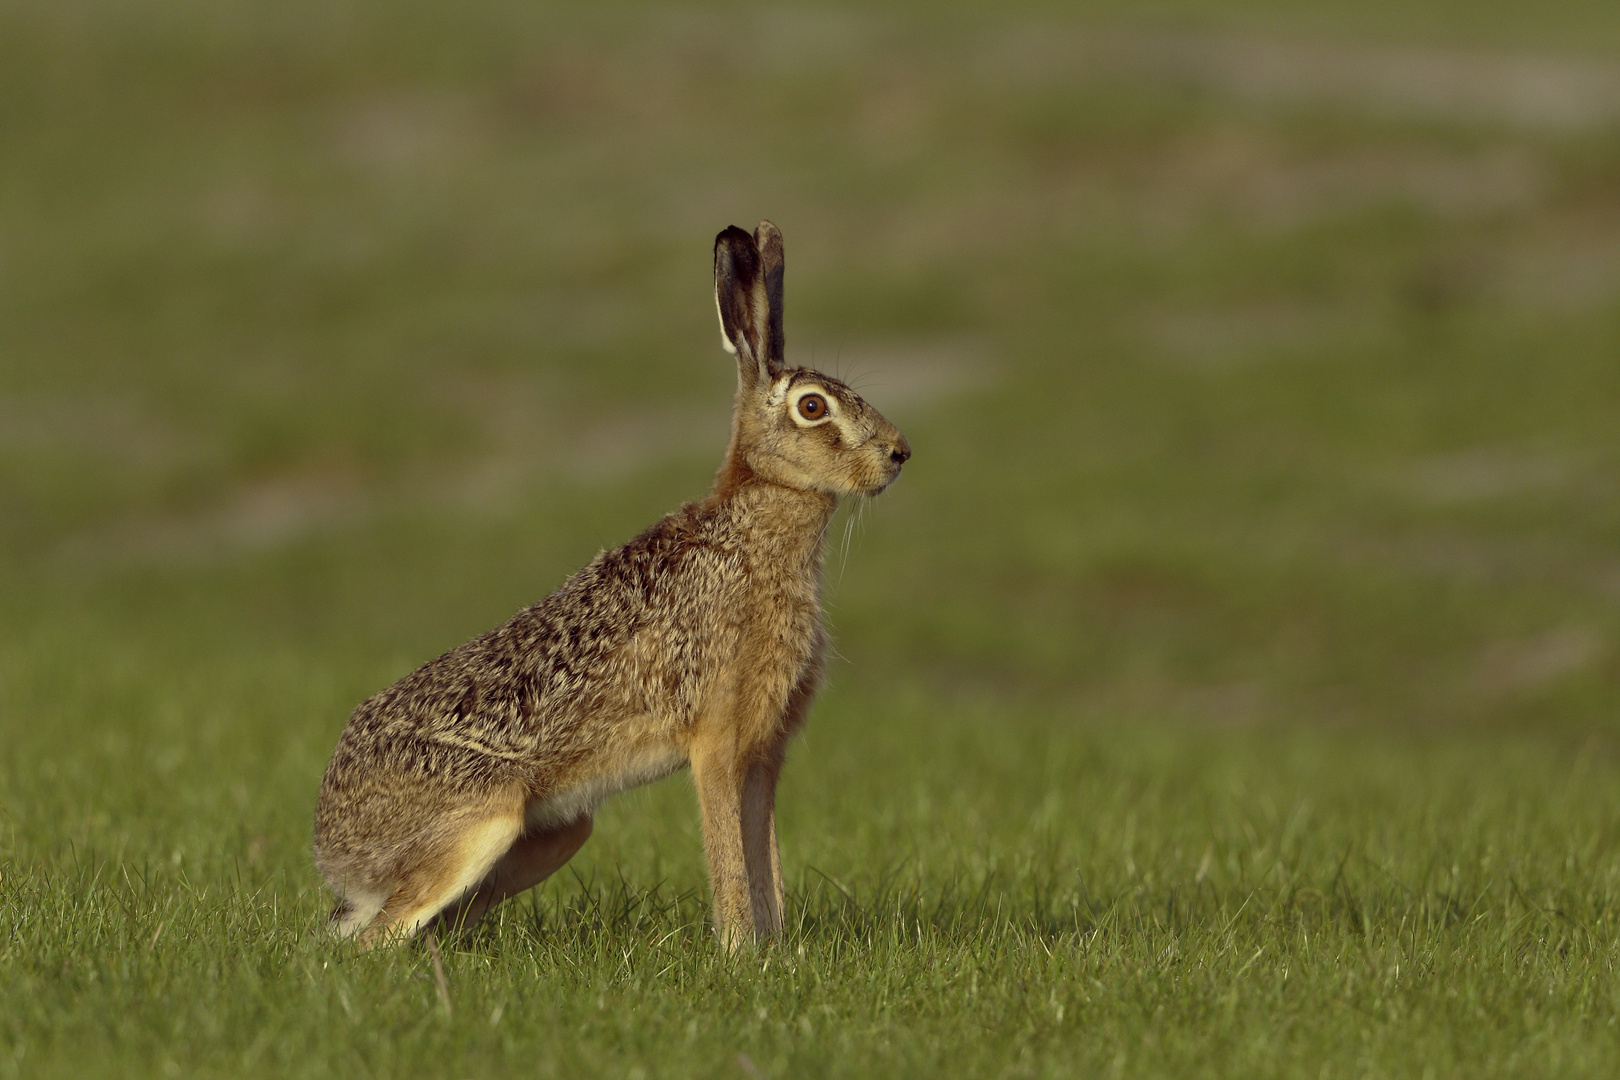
901	452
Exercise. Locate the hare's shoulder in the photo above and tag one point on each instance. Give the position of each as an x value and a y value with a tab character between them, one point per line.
693	540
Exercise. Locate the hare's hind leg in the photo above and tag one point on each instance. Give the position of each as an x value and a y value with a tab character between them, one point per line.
532	858
444	871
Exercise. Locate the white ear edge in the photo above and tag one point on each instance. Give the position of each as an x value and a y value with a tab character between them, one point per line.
725	342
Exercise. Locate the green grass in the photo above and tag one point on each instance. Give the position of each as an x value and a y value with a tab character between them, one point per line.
1019	902
1229	688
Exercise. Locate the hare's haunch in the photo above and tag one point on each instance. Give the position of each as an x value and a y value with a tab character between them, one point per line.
697	643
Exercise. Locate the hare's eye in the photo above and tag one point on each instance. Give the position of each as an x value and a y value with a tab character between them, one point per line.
812	406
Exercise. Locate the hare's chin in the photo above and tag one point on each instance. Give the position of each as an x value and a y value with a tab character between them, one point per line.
879	488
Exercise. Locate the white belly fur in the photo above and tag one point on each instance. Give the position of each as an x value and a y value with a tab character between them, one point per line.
640	766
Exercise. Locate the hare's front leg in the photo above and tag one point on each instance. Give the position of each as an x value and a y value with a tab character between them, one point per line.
736	793
763	859
763	778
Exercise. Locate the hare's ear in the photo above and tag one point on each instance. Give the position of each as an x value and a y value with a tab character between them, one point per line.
744	305
768	238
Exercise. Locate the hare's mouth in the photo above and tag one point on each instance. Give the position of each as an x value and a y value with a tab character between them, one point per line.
882	485
884	464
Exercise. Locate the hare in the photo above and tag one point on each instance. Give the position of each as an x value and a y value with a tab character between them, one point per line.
699	643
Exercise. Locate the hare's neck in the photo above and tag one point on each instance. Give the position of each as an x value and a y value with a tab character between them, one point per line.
782	527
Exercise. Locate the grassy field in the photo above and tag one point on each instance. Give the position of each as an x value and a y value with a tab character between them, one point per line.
1230	687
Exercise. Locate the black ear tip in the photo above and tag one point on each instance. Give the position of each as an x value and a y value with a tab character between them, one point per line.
733	235
735	253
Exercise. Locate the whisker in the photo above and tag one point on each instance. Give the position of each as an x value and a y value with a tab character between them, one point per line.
858	380
843	553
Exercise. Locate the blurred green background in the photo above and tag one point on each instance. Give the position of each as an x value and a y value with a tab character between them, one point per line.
1261	361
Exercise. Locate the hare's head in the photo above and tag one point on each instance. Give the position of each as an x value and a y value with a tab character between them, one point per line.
793	426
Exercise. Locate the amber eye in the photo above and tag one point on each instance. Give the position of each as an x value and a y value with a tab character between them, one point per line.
812	406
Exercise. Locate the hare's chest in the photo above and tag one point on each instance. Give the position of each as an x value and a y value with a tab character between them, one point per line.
783	635
784	604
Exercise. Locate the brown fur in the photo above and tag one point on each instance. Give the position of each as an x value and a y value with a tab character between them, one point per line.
697	643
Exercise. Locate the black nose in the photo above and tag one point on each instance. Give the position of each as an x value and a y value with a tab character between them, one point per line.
901	452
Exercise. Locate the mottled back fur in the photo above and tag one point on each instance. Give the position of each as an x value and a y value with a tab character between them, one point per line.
697	643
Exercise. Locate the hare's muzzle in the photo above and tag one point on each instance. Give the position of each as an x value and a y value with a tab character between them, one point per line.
895	451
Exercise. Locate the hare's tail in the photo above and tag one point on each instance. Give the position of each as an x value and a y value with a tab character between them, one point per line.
354	913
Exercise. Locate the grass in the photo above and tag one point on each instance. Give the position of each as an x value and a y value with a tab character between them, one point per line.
1230	687
1019	901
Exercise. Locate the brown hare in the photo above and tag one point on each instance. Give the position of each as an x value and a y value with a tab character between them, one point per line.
697	643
